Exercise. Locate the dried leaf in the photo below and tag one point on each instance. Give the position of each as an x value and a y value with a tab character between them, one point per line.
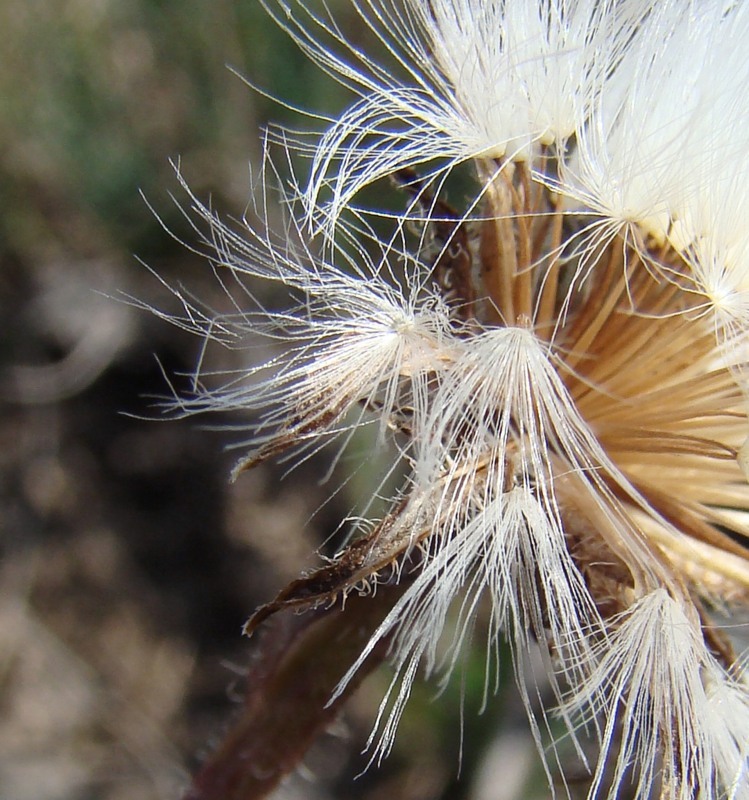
360	561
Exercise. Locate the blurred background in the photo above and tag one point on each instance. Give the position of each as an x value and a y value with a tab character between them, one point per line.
129	562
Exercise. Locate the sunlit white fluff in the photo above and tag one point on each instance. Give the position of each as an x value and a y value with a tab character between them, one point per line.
503	546
375	355
484	468
497	413
466	78
503	409
665	142
350	336
727	722
716	249
678	716
627	163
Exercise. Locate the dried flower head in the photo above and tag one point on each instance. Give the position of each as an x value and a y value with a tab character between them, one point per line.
561	364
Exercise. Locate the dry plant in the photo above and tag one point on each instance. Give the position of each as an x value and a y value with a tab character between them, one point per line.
559	367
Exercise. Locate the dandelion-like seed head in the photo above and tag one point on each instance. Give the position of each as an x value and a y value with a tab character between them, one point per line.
561	363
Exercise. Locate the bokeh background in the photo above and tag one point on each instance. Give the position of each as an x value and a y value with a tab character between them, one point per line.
129	562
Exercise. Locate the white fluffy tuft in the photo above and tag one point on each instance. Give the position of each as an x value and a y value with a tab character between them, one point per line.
668	701
469	78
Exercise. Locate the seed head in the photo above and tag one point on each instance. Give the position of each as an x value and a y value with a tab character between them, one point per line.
561	364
